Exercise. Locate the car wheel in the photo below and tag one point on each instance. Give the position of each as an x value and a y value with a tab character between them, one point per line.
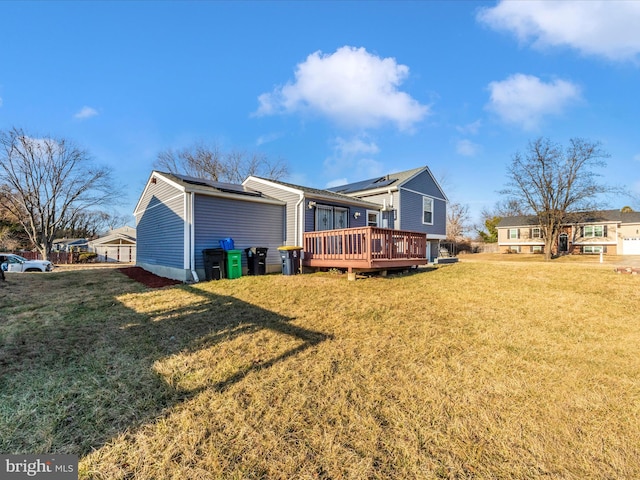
33	270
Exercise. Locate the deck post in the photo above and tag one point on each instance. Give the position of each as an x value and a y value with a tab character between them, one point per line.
351	275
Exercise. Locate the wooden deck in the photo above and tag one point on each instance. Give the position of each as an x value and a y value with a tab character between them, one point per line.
364	249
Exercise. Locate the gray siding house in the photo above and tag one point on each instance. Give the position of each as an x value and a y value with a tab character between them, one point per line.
410	200
311	209
178	216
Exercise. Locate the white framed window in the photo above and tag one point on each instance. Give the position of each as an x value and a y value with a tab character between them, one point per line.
594	231
340	217
427	210
593	249
536	249
324	218
328	218
536	232
514	233
373	218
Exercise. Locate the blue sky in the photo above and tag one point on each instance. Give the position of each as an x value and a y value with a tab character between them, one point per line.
342	91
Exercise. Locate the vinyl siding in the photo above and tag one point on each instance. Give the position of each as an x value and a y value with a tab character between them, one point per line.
381	199
250	224
411	214
160	226
291	200
424	183
310	215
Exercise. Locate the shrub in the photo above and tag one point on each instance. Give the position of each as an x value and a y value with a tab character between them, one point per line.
87	257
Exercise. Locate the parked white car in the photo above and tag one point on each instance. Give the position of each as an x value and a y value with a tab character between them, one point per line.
10	262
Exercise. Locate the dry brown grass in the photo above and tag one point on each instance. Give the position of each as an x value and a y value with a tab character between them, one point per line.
472	370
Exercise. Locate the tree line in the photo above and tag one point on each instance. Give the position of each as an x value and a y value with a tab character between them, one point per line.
52	188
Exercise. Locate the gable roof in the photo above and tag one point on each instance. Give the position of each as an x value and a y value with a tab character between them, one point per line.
203	186
607	216
392	180
317	193
123	233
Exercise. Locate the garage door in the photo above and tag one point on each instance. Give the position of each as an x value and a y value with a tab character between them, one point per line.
631	246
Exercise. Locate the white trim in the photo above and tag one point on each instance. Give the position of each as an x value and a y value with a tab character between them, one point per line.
423	194
163	203
192	239
186	243
433	236
298	231
376	213
296	191
317	194
433	207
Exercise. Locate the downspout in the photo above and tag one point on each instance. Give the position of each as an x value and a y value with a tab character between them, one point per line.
296	221
192	240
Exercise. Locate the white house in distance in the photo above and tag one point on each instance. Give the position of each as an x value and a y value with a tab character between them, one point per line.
119	245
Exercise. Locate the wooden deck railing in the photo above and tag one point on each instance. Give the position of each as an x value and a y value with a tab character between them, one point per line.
364	247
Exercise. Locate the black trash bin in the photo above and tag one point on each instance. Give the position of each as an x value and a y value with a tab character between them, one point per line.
290	257
214	268
257	260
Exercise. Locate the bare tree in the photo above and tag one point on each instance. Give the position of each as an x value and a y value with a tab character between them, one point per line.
555	183
48	183
205	161
457	221
488	230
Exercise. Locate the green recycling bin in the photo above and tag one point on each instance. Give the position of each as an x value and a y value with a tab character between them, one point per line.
234	263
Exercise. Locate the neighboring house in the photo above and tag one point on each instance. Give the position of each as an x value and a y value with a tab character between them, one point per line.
119	245
177	217
410	200
311	209
609	232
69	244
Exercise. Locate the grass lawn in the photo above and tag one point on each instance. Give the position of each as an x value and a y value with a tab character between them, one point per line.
483	369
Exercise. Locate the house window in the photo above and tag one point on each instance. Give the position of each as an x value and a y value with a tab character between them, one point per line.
536	233
328	218
324	218
536	249
594	231
514	233
373	218
340	217
593	249
427	210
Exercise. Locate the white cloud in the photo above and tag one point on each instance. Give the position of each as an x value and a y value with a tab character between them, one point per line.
524	99
470	128
86	112
353	156
336	182
355	146
467	148
607	29
351	87
271	137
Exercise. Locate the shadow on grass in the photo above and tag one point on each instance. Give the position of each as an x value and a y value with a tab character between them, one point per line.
79	370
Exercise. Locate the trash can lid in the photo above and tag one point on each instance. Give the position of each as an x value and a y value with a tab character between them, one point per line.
289	247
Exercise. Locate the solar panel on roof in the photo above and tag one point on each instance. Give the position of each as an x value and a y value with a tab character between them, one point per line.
240	190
